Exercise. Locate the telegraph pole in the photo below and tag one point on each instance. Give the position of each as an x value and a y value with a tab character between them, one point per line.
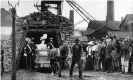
13	45
13	10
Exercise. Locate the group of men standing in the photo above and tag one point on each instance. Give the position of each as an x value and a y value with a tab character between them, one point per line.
76	50
113	54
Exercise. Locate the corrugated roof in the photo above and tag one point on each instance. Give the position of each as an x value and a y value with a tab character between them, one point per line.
92	31
88	32
92	23
112	25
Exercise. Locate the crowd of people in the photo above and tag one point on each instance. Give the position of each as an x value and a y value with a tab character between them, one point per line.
76	50
30	50
110	54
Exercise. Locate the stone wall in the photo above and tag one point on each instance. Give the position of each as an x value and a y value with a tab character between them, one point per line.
7	61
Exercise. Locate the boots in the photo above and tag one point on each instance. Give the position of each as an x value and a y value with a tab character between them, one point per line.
71	73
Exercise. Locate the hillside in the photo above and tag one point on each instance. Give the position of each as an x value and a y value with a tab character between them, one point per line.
6	18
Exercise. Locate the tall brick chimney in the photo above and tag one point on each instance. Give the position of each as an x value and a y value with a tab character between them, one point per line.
110	10
71	16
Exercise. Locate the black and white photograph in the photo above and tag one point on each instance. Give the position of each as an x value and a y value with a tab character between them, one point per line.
66	39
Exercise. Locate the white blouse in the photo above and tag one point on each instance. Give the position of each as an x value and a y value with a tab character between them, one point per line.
42	47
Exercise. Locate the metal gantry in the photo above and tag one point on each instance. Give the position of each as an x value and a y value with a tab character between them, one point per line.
84	14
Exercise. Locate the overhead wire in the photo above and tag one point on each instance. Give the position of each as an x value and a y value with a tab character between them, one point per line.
76	10
86	19
86	11
72	4
94	21
79	22
91	19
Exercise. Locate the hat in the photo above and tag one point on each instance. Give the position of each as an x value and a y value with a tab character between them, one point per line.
43	37
51	38
91	43
27	39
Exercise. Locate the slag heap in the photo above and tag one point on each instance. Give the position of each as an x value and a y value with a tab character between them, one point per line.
45	18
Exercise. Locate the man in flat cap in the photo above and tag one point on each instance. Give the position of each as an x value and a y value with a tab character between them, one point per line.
77	51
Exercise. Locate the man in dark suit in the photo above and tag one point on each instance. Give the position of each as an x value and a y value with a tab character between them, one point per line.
77	51
102	56
29	50
131	58
108	55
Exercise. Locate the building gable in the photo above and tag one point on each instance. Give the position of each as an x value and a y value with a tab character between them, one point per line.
125	25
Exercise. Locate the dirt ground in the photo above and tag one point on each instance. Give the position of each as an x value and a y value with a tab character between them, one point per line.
87	75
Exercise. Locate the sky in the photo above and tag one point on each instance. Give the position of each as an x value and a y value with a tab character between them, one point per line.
97	9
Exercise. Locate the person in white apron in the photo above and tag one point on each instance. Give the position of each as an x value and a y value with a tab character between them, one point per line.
41	47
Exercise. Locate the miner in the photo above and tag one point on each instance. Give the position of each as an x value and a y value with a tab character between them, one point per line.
77	51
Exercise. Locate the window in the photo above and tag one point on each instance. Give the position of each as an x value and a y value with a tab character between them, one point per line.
125	27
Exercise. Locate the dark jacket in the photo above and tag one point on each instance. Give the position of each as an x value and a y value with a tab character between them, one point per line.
77	51
30	49
103	51
125	51
50	46
118	47
109	49
131	57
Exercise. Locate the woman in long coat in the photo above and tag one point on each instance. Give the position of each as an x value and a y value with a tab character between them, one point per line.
131	59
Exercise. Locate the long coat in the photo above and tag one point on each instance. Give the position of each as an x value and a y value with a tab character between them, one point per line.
109	49
125	50
131	56
77	52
